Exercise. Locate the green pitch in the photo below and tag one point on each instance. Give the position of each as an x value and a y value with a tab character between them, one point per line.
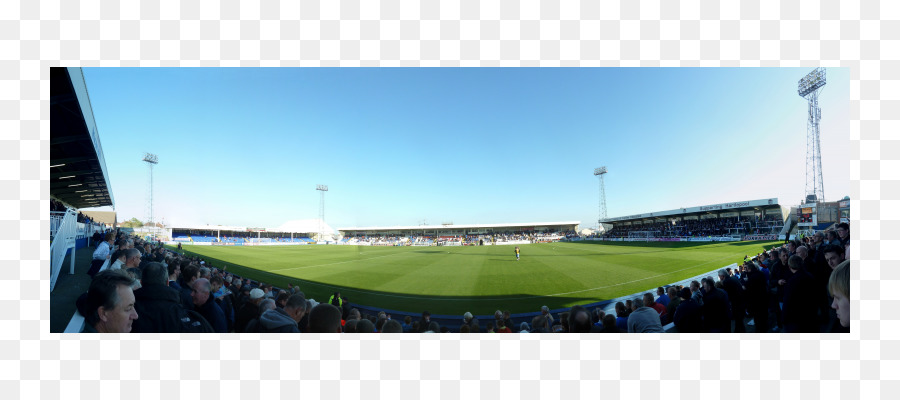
453	280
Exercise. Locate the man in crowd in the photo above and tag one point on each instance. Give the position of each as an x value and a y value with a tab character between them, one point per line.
621	317
800	305
284	320
101	254
839	288
674	302
580	320
205	305
108	306
663	297
756	296
843	231
688	316
716	308
132	259
659	308
326	318
158	305
223	300
735	291
174	270
248	311
643	319
189	275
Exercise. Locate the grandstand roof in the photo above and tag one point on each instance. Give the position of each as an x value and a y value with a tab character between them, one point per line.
78	170
734	206
476	226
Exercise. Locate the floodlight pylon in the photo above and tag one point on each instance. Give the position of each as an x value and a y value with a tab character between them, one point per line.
151	160
601	172
809	88
322	189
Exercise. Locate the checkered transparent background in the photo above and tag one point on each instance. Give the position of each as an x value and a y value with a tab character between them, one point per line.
37	35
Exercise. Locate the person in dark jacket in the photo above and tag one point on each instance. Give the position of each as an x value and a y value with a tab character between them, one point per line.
800	301
757	297
284	320
189	274
223	300
735	291
689	315
248	311
778	276
207	307
716	308
158	305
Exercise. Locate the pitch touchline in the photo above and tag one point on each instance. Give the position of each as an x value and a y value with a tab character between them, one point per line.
517	298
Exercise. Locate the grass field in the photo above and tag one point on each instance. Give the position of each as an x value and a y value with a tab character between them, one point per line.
453	280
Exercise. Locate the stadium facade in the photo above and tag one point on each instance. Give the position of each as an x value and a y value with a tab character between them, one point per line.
763	219
461	230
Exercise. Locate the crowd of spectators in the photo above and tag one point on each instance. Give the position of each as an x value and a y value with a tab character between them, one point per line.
801	286
715	227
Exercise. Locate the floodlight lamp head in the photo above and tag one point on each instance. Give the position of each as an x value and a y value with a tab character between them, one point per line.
811	82
323	188
599	171
151	158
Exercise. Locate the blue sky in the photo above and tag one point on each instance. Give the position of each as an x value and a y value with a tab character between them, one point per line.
397	146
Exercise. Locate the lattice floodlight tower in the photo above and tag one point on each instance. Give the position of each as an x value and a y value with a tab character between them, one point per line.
809	88
151	160
600	172
322	189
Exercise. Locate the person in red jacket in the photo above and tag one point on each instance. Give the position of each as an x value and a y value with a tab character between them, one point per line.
649	302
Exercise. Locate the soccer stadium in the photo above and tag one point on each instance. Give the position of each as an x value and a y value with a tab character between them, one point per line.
746	265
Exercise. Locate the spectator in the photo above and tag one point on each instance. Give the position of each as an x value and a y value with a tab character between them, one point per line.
174	270
843	231
507	321
523	327
326	318
651	303
688	316
158	305
800	305
132	259
101	254
545	311
350	326
108	306
663	297
757	297
407	323
716	308
609	325
834	255
207	307
119	256
468	319
365	326
223	300
696	294
579	320
284	320
433	327
674	301
735	291
539	324
189	275
423	323
392	326
621	317
839	288
248	311
643	319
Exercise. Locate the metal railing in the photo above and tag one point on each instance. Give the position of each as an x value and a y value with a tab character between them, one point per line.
63	240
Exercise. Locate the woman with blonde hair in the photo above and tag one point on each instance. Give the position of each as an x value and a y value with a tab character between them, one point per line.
839	288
